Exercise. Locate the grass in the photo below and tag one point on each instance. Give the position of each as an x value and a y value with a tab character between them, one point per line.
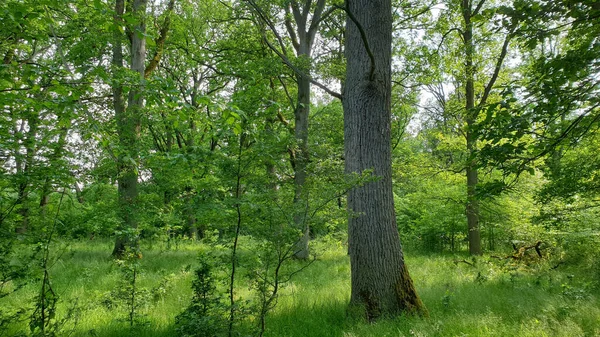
489	299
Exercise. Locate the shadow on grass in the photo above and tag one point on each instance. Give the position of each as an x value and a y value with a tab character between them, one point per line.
122	329
462	301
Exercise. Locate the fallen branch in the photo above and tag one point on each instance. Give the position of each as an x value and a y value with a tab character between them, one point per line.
456	262
519	252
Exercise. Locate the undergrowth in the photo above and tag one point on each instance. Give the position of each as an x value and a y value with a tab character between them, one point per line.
553	296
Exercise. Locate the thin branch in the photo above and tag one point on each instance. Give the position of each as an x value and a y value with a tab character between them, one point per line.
497	69
282	53
160	41
448	33
316	20
300	72
324	16
478	8
58	44
412	17
306	10
287	93
269	23
291	31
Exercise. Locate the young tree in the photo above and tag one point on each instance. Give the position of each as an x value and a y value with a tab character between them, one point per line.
475	59
302	22
381	283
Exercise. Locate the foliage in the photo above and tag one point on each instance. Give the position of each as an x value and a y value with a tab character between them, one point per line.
217	145
206	314
514	295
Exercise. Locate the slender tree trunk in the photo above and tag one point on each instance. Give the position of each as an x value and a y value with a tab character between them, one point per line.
78	193
194	231
302	158
128	126
56	155
472	209
381	284
24	168
302	39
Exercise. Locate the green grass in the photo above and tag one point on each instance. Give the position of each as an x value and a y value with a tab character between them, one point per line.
491	299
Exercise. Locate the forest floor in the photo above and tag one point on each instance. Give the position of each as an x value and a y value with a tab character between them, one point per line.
490	298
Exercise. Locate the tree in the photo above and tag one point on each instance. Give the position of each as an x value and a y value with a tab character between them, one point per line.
128	122
302	33
474	59
129	116
381	283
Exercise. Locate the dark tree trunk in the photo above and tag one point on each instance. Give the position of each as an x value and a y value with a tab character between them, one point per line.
381	284
472	173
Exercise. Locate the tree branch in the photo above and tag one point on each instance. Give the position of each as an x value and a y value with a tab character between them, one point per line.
448	33
478	8
363	36
499	62
266	20
291	31
160	41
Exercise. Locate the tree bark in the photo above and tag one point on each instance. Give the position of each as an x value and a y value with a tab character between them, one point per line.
301	163
128	126
472	208
381	284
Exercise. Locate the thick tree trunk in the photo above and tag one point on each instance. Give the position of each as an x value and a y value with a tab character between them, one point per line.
381	284
472	208
128	127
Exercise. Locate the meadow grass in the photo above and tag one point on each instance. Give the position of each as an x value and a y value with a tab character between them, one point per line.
492	298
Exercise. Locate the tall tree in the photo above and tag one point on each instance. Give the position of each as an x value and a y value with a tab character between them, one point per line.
381	283
485	32
129	121
302	21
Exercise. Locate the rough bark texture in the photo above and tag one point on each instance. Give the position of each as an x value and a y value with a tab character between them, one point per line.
128	126
381	284
472	174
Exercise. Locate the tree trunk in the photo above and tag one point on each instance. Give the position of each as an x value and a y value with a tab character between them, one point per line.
194	231
301	162
24	170
302	38
57	154
128	127
472	209
381	284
